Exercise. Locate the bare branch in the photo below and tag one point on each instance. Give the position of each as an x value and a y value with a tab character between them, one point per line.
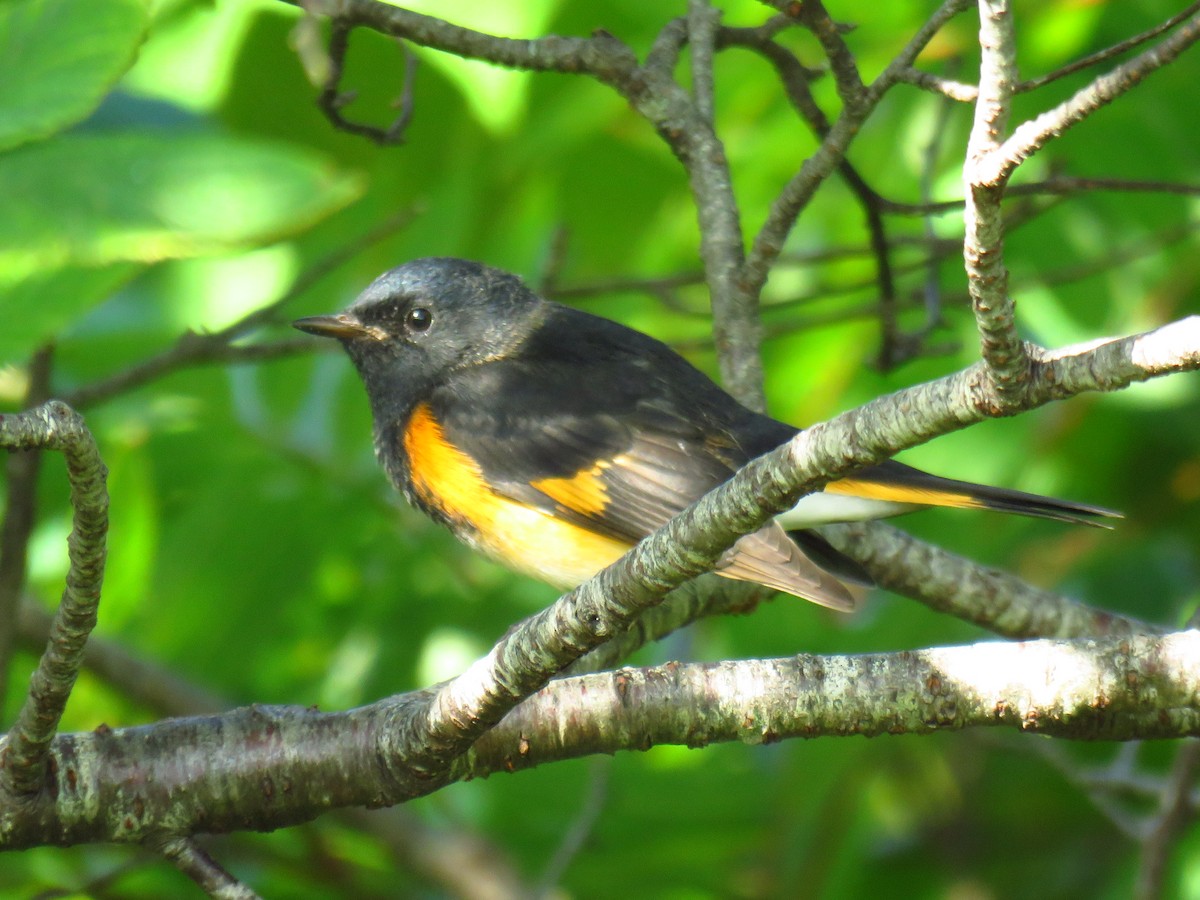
332	100
267	767
1031	136
947	583
947	87
983	242
191	859
769	241
1108	53
813	15
55	426
1079	689
1176	811
702	23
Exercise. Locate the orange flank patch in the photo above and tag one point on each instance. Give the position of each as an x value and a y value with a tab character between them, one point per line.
522	537
899	493
584	492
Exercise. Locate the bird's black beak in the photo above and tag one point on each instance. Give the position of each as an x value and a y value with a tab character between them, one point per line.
343	326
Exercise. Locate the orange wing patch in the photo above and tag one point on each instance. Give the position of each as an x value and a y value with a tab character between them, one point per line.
584	492
527	539
897	493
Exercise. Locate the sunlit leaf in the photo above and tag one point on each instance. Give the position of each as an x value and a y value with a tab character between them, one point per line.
80	210
58	58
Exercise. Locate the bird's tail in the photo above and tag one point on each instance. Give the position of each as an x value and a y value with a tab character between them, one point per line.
896	483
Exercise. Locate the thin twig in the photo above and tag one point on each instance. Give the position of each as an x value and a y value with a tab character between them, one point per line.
55	426
578	831
794	78
932	289
332	100
1176	810
192	860
936	84
769	241
1033	135
1101	56
813	16
192	349
702	23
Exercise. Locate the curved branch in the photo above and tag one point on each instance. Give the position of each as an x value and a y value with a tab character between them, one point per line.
55	426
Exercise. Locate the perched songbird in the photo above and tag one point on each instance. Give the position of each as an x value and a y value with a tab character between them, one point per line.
555	440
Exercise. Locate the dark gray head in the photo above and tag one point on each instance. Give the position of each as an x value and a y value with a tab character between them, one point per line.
418	323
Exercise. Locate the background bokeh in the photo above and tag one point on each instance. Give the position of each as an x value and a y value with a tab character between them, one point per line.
165	170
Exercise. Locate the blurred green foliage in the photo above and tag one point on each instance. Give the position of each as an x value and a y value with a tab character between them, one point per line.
257	550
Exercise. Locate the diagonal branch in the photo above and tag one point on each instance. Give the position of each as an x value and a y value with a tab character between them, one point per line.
998	601
525	659
1101	56
55	426
769	241
1032	136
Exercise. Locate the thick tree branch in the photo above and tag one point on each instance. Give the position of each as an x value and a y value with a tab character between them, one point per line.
1114	689
55	426
458	859
267	767
998	601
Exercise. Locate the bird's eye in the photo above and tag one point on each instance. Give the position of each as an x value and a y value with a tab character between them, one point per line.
418	319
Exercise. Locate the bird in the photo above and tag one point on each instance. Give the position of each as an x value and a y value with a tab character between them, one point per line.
554	440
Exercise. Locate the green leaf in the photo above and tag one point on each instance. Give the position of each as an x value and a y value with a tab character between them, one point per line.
82	208
37	308
58	58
